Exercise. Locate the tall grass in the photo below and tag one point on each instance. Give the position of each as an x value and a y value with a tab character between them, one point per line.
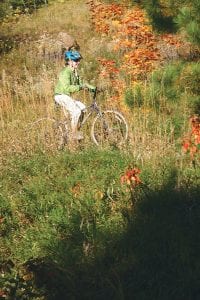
155	119
66	219
28	81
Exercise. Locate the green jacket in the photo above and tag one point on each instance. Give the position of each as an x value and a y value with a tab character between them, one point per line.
69	82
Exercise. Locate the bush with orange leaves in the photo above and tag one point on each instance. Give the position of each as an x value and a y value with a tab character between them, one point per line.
109	69
102	13
191	144
131	178
136	44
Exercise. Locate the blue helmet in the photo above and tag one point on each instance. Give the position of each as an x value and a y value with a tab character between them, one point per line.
72	55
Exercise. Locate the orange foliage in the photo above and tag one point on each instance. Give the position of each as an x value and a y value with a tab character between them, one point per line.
131	178
137	43
134	41
171	40
191	144
102	14
109	68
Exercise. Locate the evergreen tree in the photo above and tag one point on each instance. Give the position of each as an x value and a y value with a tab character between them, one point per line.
188	19
7	7
170	15
160	18
28	5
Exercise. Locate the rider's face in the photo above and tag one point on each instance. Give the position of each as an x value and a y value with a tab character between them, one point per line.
74	64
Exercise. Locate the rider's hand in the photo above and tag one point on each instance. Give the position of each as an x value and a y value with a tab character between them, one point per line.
88	87
93	90
82	87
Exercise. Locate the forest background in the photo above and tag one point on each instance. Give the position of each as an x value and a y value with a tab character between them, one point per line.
111	223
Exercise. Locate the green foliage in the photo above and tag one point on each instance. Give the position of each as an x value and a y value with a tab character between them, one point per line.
133	97
58	199
163	85
4	8
173	90
194	104
166	81
9	223
172	15
188	19
27	5
160	19
190	78
177	121
167	86
9	7
190	81
76	224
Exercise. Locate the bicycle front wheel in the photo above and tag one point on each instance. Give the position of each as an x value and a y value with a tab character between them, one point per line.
109	128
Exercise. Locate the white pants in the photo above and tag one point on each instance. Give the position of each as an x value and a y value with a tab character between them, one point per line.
74	107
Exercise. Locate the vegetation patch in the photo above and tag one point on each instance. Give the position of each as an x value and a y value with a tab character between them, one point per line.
118	223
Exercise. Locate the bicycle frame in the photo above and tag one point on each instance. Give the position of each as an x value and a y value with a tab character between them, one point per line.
93	107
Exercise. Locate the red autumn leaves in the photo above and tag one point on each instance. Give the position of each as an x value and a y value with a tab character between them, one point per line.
133	41
103	13
131	178
108	68
191	143
138	48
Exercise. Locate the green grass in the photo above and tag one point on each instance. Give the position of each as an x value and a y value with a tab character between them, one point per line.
68	228
68	215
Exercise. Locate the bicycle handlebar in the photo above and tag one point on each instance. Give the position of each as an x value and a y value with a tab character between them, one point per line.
96	91
94	104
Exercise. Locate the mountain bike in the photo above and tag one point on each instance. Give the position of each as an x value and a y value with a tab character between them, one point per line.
107	127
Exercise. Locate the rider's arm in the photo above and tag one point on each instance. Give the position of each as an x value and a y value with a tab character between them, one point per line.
86	85
68	85
64	85
89	86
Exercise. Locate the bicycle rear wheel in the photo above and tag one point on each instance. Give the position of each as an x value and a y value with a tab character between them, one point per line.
109	128
47	133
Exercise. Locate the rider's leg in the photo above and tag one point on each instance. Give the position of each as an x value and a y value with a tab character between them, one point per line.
74	107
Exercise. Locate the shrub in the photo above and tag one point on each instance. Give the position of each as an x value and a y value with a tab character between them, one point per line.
190	78
188	20
4	9
9	7
194	103
134	97
27	5
161	17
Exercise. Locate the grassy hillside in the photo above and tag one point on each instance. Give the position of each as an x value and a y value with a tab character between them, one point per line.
88	223
157	105
68	222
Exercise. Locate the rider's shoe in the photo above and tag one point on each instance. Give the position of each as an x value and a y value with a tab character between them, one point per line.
78	136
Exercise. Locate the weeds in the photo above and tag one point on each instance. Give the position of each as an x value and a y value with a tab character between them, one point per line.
74	227
65	218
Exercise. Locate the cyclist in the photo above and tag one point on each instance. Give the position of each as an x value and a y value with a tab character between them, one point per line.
68	83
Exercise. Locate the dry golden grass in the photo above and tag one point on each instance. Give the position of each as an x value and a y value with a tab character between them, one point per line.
59	15
24	102
28	81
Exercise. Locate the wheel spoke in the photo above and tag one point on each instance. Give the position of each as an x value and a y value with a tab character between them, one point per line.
110	128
